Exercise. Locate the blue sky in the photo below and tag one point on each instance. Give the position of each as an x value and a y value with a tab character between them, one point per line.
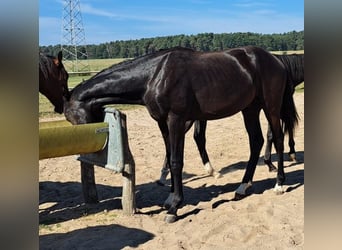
111	20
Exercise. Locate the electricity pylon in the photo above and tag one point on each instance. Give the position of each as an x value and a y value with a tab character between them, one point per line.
73	38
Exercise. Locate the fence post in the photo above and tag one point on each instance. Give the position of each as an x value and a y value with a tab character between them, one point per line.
88	183
128	173
117	157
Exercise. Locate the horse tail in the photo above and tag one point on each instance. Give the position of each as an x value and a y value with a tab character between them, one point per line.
288	113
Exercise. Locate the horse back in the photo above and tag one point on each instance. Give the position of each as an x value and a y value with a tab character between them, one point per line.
208	85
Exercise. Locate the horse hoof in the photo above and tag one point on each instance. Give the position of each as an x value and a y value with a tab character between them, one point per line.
240	192
238	196
279	192
170	218
168	201
217	175
209	169
278	189
166	205
272	169
292	156
160	183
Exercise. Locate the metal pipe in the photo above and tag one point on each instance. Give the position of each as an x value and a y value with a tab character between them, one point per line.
58	123
56	141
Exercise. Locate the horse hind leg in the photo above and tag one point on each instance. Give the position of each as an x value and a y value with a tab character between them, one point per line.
278	138
292	153
268	150
165	170
166	166
256	141
199	137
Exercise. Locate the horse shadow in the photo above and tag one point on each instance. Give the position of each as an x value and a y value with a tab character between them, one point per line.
241	165
103	237
67	198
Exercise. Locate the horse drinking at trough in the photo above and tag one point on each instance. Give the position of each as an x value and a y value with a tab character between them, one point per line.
179	86
294	65
53	80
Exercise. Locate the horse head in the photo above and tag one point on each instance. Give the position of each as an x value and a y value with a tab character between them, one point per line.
81	112
53	80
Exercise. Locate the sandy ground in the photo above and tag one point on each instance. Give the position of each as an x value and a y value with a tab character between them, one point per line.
209	219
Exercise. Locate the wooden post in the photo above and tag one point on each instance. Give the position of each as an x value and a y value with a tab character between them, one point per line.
103	144
88	183
128	173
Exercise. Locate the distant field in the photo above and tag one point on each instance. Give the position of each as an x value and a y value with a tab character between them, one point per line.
289	52
95	65
46	108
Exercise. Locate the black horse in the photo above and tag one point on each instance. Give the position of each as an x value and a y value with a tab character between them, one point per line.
53	80
179	86
294	65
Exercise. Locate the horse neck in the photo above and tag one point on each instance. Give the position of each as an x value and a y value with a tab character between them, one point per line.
122	84
294	65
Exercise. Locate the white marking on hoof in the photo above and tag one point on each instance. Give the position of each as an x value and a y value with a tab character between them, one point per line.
208	168
168	201
211	171
243	187
278	189
217	175
292	157
170	218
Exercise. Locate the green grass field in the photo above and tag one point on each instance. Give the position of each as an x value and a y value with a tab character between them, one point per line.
289	52
46	108
95	65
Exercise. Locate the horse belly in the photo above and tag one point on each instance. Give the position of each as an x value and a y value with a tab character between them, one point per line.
215	103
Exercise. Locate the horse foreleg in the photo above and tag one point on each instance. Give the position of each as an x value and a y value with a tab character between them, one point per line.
166	165
199	137
268	150
256	140
176	139
165	133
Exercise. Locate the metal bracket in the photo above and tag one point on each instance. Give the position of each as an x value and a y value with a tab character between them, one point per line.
112	155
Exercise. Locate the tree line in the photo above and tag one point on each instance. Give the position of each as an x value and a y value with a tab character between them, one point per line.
201	42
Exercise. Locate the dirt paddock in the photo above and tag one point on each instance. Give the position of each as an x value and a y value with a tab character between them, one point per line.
209	219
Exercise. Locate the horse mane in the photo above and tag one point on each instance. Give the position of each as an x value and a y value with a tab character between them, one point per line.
46	64
294	65
130	63
143	57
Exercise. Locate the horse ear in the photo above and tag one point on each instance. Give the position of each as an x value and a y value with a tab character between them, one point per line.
60	56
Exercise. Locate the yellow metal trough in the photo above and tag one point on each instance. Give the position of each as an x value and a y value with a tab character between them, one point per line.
60	138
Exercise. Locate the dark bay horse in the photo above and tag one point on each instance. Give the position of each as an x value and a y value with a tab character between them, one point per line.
53	80
294	65
179	86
